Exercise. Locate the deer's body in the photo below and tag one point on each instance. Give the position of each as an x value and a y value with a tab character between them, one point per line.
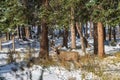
67	55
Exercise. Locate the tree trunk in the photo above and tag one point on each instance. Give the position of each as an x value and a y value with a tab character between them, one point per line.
38	31
86	31
13	41
44	41
109	33
76	33
104	33
114	34
79	29
101	52
91	29
0	44
83	29
23	32
30	36
119	28
95	39
119	31
27	32
7	36
19	32
65	37
73	36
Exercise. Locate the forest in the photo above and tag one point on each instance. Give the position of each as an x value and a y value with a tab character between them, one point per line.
59	39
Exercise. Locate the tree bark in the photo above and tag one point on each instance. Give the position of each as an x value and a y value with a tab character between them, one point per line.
27	32
79	29
7	36
83	29
119	28
65	37
13	41
30	36
73	36
109	33
86	31
91	29
95	39
38	31
23	32
0	44
44	41
101	52
19	32
114	34
104	33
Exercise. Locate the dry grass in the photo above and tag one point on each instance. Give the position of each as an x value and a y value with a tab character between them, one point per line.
47	62
13	56
3	39
90	63
117	54
87	62
109	77
114	60
27	56
93	64
71	78
43	62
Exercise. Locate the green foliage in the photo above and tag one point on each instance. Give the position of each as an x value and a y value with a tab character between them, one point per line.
106	11
12	15
54	14
57	12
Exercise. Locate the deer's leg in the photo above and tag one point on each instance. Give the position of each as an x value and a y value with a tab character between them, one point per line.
78	64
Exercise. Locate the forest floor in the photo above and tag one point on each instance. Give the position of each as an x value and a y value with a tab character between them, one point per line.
93	68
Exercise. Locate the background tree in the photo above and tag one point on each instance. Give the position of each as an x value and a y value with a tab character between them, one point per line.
10	17
103	13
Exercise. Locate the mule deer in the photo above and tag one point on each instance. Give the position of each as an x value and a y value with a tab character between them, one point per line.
67	56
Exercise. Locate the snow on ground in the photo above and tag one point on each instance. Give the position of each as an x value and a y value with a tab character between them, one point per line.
39	73
13	72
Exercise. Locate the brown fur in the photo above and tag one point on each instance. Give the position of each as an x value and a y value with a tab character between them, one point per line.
68	56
